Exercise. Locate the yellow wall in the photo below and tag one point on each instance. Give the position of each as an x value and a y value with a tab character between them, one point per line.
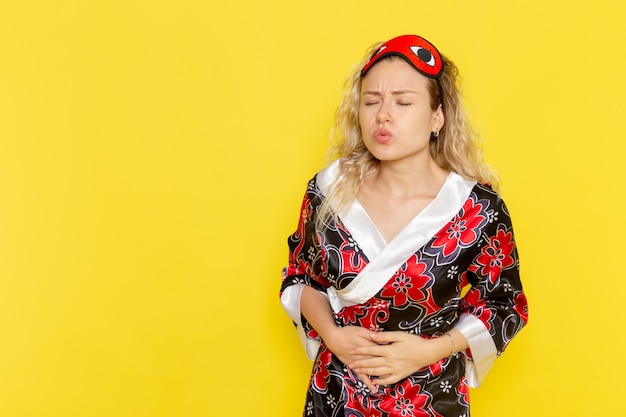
153	155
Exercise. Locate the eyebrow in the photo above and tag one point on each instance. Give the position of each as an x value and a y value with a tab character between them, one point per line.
393	93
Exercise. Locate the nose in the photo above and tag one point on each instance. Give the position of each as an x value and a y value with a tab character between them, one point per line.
383	115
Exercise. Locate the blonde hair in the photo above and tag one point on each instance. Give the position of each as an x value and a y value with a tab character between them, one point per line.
457	148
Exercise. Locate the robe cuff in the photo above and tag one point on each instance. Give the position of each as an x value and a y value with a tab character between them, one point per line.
290	299
483	349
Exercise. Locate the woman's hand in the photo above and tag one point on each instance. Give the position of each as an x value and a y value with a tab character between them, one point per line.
396	355
341	341
391	355
344	341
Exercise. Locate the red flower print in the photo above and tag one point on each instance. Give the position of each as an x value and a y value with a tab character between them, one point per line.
349	315
320	370
312	334
496	256
461	232
472	303
408	400
521	306
350	251
398	289
464	391
376	314
436	368
412	282
472	297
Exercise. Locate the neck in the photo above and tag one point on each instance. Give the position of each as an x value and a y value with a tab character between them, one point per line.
408	178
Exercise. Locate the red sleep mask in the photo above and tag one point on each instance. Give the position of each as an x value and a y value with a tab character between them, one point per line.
417	51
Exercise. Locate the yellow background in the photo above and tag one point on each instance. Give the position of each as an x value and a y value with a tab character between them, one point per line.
153	156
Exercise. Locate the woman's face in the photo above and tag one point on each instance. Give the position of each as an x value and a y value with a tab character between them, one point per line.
395	113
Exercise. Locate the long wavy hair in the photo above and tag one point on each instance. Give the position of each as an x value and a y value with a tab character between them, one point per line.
457	148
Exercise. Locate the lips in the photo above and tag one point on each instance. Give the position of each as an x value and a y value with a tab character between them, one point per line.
382	135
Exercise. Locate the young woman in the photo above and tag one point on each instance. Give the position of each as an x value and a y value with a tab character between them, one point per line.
403	276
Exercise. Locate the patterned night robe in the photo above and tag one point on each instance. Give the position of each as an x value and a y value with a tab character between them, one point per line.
454	265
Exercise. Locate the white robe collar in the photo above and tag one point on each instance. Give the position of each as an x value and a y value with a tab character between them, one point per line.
386	258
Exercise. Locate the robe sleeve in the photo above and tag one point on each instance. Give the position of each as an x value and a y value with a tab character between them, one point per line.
495	309
305	264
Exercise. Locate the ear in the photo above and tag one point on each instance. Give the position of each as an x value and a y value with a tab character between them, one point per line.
438	119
